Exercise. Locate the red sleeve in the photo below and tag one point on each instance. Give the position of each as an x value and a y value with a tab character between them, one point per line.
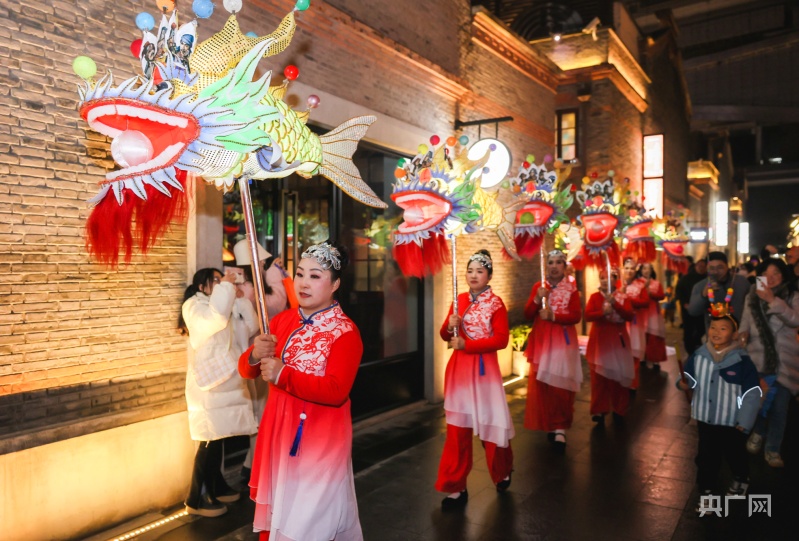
246	370
642	300
332	389
446	336
573	317
626	310
593	309
499	338
531	309
657	294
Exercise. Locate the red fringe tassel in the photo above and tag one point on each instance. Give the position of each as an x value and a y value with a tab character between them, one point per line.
598	261
679	265
427	259
527	246
642	251
113	228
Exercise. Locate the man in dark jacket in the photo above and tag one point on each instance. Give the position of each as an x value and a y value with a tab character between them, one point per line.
693	327
719	280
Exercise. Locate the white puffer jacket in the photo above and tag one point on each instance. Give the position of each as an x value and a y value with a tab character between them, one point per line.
217	397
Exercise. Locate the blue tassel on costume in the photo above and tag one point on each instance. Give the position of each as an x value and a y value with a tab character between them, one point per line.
295	447
635	319
622	340
566	336
482	366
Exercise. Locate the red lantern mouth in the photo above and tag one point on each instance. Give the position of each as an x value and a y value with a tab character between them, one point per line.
169	132
422	210
675	248
534	213
639	231
599	228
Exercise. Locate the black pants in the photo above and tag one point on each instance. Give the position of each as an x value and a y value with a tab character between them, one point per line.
207	472
717	442
693	329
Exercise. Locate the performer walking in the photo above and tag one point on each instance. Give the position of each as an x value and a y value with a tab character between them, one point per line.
608	353
474	398
553	352
302	481
655	352
637	292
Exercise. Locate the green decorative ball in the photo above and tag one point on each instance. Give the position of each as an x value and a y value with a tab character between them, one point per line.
84	67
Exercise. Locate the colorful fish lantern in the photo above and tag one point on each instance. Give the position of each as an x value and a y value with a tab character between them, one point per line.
543	207
198	111
599	205
671	238
637	233
436	192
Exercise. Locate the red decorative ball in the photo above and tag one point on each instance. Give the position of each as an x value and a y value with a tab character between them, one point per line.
434	140
291	72
572	188
135	47
525	165
594	174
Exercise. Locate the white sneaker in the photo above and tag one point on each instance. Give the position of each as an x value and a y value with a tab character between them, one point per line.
754	443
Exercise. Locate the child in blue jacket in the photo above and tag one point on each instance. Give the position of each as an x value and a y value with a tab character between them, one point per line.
726	399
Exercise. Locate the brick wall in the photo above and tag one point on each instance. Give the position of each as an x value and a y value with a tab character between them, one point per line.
76	339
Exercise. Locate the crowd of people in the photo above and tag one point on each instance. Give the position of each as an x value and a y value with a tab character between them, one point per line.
743	352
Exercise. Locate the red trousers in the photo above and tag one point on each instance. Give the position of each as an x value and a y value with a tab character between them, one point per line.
655	348
548	408
608	395
456	461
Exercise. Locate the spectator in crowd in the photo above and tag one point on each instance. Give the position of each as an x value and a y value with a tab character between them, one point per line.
693	327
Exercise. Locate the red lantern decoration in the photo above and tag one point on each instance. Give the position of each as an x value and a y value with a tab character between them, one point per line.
291	72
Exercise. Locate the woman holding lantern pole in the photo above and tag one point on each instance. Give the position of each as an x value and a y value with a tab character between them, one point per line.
553	352
474	398
655	352
302	481
608	353
637	291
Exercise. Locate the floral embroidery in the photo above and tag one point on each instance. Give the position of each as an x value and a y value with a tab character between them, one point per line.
619	296
477	317
308	347
560	296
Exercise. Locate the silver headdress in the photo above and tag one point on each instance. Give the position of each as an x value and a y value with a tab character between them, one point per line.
556	253
327	256
483	259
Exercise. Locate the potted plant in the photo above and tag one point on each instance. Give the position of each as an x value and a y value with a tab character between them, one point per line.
518	339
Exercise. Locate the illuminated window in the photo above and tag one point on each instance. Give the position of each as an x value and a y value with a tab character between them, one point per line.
653	174
566	134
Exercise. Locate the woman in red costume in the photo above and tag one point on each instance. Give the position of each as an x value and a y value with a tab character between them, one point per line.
302	481
553	353
655	323
636	290
474	398
608	353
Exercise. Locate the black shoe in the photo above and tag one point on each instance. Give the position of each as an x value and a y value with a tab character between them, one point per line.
559	444
455	503
550	437
208	506
598	419
245	475
503	485
227	495
618	419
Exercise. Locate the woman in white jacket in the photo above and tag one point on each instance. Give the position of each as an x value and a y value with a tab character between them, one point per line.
219	406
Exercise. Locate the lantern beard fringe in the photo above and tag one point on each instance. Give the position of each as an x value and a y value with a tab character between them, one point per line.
527	246
429	258
675	264
640	250
136	222
595	257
